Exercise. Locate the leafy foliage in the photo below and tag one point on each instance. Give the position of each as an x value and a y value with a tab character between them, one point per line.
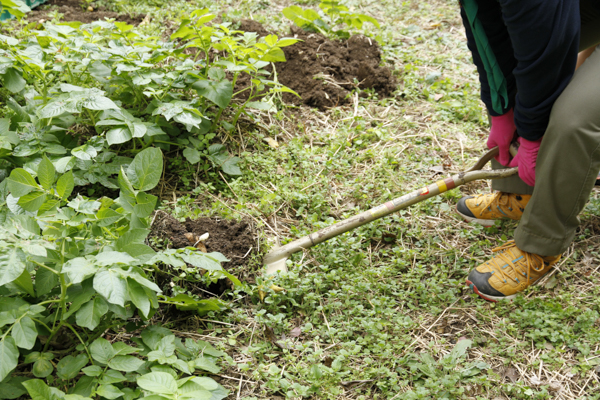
129	92
17	8
79	265
331	14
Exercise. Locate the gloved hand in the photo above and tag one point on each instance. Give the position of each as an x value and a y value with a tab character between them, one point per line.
502	134
526	159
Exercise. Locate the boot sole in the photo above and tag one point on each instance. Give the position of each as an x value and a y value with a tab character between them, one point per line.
484	222
493	299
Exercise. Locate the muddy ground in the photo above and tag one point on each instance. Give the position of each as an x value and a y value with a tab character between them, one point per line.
324	72
76	10
232	239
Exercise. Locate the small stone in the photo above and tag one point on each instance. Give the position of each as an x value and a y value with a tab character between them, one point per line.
555	387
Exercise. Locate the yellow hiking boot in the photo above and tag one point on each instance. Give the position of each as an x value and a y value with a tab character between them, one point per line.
484	209
509	272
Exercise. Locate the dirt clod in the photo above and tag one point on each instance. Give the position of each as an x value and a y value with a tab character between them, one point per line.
76	10
324	72
232	239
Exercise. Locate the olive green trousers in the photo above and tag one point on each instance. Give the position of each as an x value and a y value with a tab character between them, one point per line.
568	161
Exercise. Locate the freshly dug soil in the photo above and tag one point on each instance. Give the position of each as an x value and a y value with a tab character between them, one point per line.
76	10
323	71
232	239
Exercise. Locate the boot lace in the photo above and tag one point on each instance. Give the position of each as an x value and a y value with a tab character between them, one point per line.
532	261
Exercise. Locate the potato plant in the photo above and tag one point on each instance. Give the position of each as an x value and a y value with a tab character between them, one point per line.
129	92
71	268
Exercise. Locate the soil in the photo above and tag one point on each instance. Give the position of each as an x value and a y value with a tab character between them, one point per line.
232	239
323	71
76	10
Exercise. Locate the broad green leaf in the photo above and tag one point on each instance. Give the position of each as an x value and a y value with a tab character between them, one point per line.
146	169
79	268
230	166
201	260
190	120
20	182
12	264
168	110
99	103
91	313
93	370
140	251
112	376
109	391
127	194
49	205
12	388
85	152
80	397
111	285
274	55
206	382
84	386
42	368
64	164
192	155
139	130
118	135
24	333
219	93
167	345
13	80
45	173
139	297
113	257
199	394
38	390
145	282
133	236
146	203
65	185
45	281
158	382
79	295
122	349
284	42
69	366
125	363
203	347
9	355
32	201
24	282
102	350
207	364
83	205
53	109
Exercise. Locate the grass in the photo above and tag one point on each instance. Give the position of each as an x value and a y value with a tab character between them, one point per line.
373	313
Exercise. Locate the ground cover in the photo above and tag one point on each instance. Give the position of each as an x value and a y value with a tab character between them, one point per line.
378	313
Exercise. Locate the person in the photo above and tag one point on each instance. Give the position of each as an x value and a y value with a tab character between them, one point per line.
526	53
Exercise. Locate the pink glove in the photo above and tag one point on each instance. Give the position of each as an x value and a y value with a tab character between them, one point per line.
526	159
501	135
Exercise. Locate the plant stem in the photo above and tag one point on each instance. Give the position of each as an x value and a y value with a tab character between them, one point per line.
45	266
80	339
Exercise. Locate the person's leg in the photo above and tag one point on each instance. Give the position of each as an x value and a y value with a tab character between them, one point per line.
567	166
